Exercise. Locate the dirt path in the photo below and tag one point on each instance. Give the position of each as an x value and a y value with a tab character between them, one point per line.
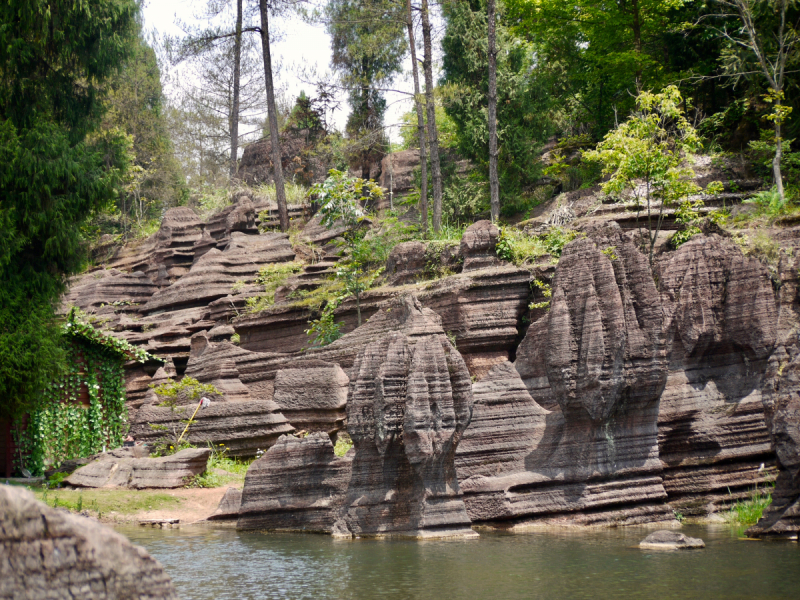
197	504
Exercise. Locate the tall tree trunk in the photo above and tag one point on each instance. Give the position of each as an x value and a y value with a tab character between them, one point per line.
637	41
776	162
237	66
280	192
423	188
433	136
494	182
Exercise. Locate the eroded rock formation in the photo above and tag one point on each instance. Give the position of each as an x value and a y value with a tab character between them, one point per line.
49	553
297	485
312	395
721	320
125	469
409	405
598	362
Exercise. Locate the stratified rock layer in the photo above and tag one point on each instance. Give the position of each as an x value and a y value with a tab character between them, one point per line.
721	321
295	486
781	397
597	360
243	428
49	553
410	402
312	395
120	468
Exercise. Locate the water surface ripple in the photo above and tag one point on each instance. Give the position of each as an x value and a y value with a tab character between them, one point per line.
221	564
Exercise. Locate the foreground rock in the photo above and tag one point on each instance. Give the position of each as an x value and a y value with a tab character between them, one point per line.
119	468
297	485
49	553
670	540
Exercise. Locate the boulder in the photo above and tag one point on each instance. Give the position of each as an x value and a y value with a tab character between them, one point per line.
50	553
665	539
312	395
410	402
123	468
478	246
243	427
297	485
229	505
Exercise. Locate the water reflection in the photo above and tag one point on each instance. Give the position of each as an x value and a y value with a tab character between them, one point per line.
222	564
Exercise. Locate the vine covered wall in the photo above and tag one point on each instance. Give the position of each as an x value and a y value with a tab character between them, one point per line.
83	412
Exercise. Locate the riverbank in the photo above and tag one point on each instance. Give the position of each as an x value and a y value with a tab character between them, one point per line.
122	506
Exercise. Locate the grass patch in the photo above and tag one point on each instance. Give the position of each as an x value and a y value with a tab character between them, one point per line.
519	248
747	512
343	444
104	501
271	276
221	469
295	193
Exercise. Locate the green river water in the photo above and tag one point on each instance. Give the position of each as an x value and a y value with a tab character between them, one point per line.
220	564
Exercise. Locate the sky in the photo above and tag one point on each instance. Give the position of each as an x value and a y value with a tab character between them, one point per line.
302	47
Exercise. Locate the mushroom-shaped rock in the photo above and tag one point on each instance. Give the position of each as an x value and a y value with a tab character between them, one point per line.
478	246
410	402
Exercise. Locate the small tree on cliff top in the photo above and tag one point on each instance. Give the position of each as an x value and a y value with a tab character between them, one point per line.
645	154
340	197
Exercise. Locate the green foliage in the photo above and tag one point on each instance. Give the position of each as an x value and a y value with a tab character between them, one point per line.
517	247
770	204
56	479
649	149
188	388
324	330
522	104
545	289
445	127
343	444
74	327
340	197
610	252
59	427
368	44
748	512
762	151
271	276
56	168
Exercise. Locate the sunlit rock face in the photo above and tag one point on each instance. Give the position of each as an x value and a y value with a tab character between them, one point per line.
409	404
721	321
297	485
50	553
781	398
594	368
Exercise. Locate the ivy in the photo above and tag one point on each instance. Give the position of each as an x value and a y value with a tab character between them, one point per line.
59	427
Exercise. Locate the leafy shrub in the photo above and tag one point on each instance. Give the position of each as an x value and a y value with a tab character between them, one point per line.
271	276
517	247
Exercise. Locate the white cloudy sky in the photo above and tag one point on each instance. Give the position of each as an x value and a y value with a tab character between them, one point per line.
302	46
